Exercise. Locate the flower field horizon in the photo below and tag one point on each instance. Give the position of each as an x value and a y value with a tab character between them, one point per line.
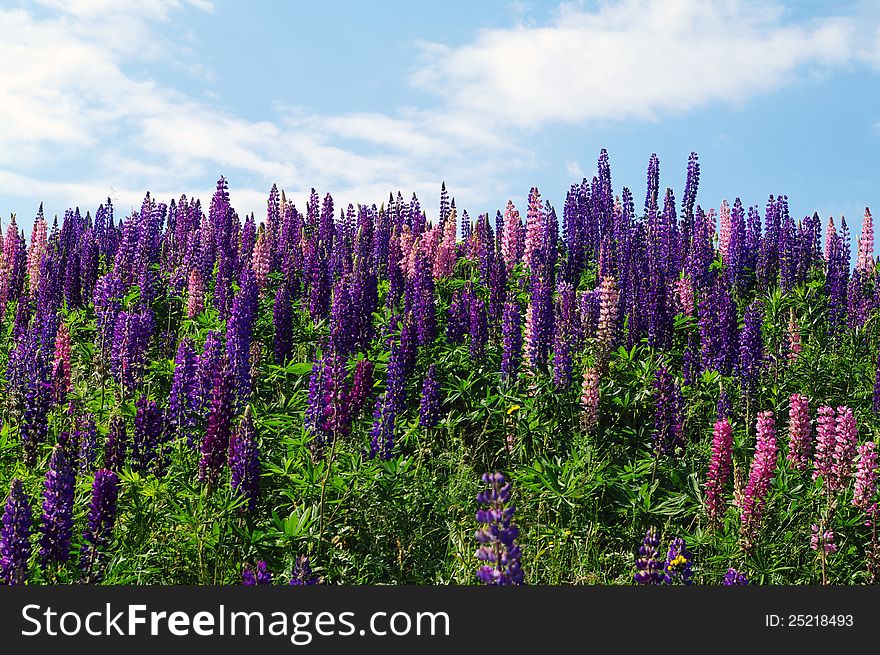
601	393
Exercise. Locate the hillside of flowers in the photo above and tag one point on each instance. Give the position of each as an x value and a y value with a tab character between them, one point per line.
599	393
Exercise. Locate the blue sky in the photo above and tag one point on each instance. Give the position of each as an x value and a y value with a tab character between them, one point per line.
116	97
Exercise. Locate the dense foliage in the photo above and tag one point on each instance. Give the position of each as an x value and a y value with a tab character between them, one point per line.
665	396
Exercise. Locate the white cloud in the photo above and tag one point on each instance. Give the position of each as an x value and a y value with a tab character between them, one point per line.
632	60
76	94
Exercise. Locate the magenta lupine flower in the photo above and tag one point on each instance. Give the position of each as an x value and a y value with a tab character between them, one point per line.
800	439
61	363
760	477
720	466
244	461
865	260
826	441
824	538
535	229
865	488
57	522
590	399
361	386
511	238
609	297
195	294
685	290
36	252
845	446
15	545
215	444
99	523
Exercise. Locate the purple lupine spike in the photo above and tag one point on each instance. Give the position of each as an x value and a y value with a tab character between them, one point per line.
131	338
15	546
649	566
361	386
182	401
302	573
117	444
99	524
146	440
717	320
56	526
244	461
207	363
668	433
722	407
562	343
282	319
479	329
679	563
240	334
215	443
87	437
458	318
734	578
429	406
751	350
260	576
539	324
498	553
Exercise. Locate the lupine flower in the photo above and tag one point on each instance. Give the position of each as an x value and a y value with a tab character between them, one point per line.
282	318
429	406
146	440
865	260
261	576
722	407
720	466
678	564
800	439
823	539
195	295
685	290
57	522
117	442
99	523
826	440
751	350
15	546
794	338
302	573
244	460
865	488
61	364
215	443
845	446
609	297
734	578
649	566
590	399
876	399
511	239
183	408
498	550
511	338
668	422
760	477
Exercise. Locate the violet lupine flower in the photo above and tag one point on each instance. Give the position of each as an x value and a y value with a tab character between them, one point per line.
823	539
117	444
239	336
261	576
361	386
429	406
148	426
57	522
678	564
183	408
751	350
865	488
100	522
131	338
215	443
511	338
722	407
717	318
479	329
845	446
244	461
498	547
87	437
668	422
800	439
206	365
459	318
34	428
734	578
15	545
539	323
649	566
720	466
282	320
760	477
302	573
